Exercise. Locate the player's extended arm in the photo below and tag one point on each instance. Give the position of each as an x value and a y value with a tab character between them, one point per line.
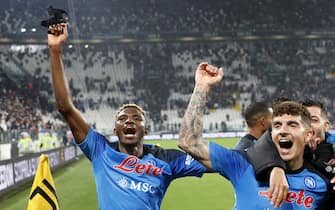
74	118
190	134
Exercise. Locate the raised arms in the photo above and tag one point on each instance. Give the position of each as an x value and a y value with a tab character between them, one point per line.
190	134
73	117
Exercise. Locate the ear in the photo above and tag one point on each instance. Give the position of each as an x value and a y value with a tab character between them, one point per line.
309	135
146	131
262	120
327	125
114	131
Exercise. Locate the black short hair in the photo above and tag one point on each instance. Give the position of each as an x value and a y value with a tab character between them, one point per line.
254	111
279	100
310	102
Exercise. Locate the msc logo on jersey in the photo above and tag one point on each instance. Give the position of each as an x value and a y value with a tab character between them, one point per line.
310	182
139	186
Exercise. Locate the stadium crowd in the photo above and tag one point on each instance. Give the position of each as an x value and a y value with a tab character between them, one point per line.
97	18
159	76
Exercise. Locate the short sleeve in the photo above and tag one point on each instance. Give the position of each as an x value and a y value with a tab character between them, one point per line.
93	145
229	163
186	165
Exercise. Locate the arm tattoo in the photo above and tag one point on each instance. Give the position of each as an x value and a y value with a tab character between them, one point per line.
192	126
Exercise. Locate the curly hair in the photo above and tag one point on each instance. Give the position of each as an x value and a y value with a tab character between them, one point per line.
292	108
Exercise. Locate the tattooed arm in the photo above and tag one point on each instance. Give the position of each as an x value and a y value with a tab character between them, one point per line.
190	134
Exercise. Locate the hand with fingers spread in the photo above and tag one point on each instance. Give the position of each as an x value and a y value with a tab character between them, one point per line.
278	186
57	35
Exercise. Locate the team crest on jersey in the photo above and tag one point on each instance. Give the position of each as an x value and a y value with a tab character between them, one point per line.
152	162
310	182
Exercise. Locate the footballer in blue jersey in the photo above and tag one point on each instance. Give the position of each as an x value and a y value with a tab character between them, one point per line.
258	116
307	188
291	130
128	182
320	153
264	156
128	174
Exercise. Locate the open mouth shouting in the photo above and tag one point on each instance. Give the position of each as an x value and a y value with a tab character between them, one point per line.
129	131
285	144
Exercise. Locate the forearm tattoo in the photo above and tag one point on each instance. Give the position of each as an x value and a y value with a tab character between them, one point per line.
192	125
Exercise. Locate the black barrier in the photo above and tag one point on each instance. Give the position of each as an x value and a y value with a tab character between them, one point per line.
6	176
17	171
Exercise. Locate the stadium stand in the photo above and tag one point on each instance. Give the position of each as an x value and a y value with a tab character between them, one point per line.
146	52
107	18
161	78
159	75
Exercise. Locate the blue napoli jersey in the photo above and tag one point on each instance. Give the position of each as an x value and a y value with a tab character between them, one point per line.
127	182
330	138
307	190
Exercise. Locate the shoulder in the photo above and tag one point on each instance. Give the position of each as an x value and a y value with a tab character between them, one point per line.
330	138
248	137
222	155
312	174
322	160
93	134
245	142
230	163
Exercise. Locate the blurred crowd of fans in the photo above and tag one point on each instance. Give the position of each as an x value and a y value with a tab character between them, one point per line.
115	17
160	76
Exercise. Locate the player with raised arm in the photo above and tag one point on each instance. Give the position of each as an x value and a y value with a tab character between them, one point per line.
128	174
290	126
